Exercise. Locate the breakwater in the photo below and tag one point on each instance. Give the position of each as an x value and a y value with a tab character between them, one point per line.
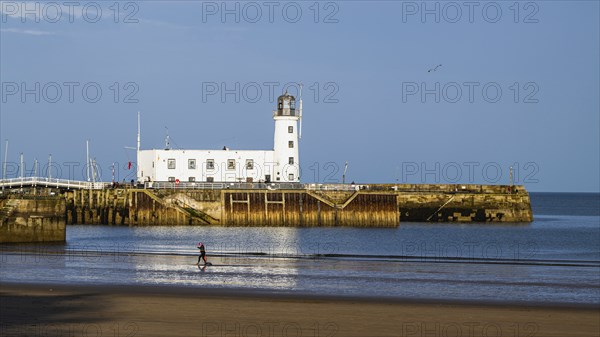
240	205
358	206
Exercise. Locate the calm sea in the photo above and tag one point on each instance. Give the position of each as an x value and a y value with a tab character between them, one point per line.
555	259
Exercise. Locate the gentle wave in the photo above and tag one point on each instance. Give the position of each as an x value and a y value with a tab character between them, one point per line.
353	257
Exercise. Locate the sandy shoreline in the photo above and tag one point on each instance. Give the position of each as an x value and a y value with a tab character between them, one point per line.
35	310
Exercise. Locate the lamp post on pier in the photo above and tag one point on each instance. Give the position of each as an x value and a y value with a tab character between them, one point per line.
49	167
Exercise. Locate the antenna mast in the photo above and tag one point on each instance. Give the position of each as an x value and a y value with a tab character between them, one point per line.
139	146
300	113
167	139
139	133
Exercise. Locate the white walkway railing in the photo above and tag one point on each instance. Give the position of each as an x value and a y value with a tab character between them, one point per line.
250	186
50	182
28	182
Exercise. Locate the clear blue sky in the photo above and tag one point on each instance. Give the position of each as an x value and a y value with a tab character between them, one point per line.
368	58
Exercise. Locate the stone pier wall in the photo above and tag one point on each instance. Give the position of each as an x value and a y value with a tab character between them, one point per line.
29	218
138	207
32	219
442	207
365	206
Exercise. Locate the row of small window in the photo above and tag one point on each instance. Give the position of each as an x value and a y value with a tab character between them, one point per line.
210	164
212	179
192	179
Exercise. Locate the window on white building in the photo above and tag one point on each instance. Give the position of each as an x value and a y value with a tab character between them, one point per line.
291	144
210	179
291	160
192	164
210	164
171	179
291	176
290	129
231	164
249	164
171	164
192	179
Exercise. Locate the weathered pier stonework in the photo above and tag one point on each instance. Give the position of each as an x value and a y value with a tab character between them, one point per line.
130	207
463	203
230	207
28	217
32	219
365	206
309	208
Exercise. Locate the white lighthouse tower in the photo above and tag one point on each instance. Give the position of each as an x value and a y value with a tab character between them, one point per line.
285	156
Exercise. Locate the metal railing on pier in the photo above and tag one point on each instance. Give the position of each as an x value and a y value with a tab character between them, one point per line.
249	186
41	182
29	182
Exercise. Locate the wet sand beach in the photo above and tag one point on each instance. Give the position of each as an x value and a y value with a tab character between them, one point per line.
50	310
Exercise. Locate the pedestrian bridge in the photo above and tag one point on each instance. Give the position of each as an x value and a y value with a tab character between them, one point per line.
30	182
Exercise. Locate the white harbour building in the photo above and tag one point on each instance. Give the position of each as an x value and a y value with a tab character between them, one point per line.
281	164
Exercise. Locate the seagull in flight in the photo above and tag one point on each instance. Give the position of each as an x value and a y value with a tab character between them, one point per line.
434	69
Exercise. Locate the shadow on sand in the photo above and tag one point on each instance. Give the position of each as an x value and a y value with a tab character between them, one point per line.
52	315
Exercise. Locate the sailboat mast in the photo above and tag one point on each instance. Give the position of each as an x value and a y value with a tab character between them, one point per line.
5	160
87	158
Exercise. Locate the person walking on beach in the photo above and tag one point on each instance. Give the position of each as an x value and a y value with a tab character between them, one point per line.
202	253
